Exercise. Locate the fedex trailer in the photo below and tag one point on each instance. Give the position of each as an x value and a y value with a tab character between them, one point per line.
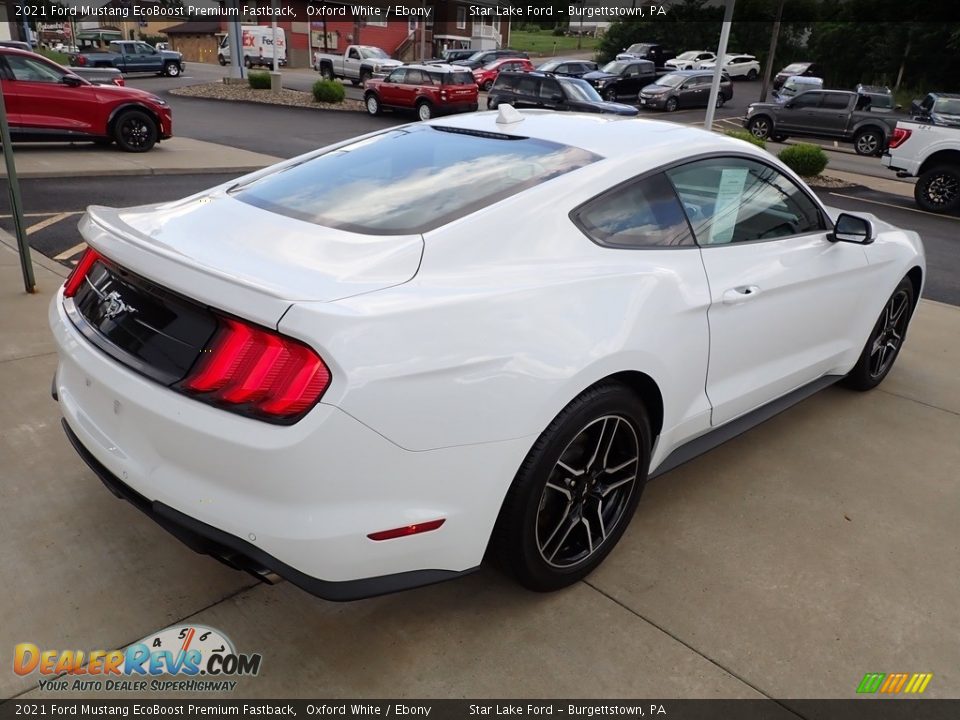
257	44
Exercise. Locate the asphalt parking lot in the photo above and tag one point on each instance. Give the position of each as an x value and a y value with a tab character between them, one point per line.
784	564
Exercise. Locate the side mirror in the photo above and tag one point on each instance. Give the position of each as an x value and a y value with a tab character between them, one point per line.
71	81
852	229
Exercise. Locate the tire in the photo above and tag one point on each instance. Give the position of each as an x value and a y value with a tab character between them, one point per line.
868	142
720	100
171	69
373	104
886	339
424	110
222	60
539	537
135	131
326	72
938	189
779	138
492	104
752	75
760	127
364	76
487	85
248	62
671	105
610	95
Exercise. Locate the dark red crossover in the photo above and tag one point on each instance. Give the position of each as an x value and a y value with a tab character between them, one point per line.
428	89
46	102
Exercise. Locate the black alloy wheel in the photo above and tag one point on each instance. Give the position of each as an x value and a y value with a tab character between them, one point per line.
885	341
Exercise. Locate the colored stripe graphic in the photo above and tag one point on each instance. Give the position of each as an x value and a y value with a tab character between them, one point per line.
894	683
870	683
918	683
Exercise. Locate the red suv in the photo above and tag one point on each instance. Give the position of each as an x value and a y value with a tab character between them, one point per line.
486	76
47	102
428	89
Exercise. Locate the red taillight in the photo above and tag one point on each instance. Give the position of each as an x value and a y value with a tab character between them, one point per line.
899	136
406	530
258	372
79	273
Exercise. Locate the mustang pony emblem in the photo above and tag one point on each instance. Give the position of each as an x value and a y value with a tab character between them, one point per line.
112	305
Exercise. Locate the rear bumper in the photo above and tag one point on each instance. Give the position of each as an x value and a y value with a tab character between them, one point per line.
242	555
297	500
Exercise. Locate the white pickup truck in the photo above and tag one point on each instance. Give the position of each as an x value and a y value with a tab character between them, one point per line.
358	64
930	153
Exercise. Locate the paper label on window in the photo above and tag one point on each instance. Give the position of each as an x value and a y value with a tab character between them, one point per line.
727	206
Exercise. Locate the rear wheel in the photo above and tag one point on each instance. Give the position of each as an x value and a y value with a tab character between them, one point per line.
248	62
868	142
221	59
487	84
885	340
424	110
752	75
760	128
671	105
326	72
135	131
938	189
576	491
720	100
610	95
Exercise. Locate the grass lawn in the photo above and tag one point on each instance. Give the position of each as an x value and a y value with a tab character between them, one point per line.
58	57
546	43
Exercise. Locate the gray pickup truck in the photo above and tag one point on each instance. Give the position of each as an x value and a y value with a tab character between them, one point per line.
130	56
829	114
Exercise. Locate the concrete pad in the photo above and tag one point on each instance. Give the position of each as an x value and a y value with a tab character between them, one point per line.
175	156
926	370
23	317
814	549
477	637
902	188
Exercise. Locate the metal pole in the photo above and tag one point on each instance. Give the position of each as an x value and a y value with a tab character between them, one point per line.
16	209
423	40
236	45
273	26
718	68
768	70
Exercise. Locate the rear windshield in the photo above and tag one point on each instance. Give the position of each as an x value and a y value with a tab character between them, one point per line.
458	78
411	180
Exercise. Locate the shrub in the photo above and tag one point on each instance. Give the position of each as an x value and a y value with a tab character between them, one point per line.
259	80
559	31
747	136
328	91
804	159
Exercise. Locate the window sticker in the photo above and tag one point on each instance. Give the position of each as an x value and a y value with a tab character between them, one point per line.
727	205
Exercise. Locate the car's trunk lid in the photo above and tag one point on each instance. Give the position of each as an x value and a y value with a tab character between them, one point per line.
233	256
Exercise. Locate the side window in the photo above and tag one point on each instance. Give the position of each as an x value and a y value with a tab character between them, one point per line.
807	100
145	49
562	69
29	70
414	77
645	213
506	81
397	76
835	101
527	86
730	200
549	88
354	54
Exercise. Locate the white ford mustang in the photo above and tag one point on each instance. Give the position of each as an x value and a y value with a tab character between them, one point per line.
362	368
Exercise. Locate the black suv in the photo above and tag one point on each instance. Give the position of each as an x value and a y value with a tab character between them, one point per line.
568	68
546	91
685	89
653	52
484	57
622	79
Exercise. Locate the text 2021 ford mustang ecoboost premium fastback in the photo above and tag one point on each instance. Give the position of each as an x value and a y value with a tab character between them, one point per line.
363	368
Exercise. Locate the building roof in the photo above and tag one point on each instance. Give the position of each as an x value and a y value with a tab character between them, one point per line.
200	27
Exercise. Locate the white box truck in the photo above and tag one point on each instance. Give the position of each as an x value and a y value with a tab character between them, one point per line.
257	44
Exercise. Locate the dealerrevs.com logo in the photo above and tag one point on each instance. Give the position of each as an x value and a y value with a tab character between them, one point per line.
200	658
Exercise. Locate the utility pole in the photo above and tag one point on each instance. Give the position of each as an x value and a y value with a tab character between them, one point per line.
768	70
16	208
718	67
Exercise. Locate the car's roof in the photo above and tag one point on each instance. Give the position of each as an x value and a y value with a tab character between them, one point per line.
946	95
693	73
604	135
435	67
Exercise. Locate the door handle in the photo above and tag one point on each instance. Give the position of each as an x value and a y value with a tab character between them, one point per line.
740	294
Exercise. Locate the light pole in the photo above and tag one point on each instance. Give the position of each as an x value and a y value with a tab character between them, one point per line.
768	70
16	209
718	67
